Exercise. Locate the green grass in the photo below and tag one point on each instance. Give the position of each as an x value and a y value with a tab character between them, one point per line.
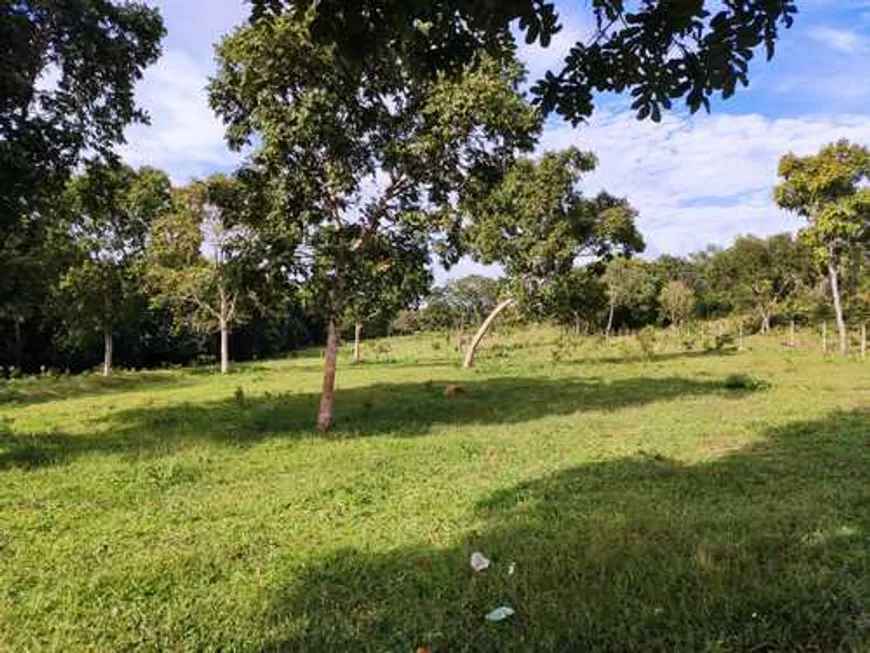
647	505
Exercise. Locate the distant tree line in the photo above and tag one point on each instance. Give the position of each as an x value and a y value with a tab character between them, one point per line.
762	281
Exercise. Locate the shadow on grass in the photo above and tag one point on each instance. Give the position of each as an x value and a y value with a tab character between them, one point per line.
35	391
400	410
656	358
763	550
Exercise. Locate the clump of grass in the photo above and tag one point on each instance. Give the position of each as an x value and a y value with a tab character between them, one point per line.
744	382
647	339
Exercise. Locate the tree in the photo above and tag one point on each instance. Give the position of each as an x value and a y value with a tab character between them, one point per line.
36	255
200	256
537	225
110	212
758	274
629	284
677	300
385	283
67	77
829	190
577	298
357	168
658	50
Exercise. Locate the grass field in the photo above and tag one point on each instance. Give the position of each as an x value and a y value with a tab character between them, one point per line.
645	505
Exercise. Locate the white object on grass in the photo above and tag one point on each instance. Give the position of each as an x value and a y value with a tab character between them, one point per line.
479	562
512	567
500	614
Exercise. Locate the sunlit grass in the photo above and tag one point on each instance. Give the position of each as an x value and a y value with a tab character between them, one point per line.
647	505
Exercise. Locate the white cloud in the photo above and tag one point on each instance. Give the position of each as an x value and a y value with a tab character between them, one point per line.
700	180
184	138
842	40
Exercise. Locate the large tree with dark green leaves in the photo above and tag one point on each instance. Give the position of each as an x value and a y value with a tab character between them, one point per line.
658	50
538	225
830	190
110	210
67	72
359	168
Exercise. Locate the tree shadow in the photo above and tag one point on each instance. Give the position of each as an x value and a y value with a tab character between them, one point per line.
41	390
764	549
397	410
656	358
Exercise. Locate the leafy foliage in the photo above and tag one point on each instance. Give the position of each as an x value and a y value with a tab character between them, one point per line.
677	300
538	225
200	258
657	50
66	87
110	210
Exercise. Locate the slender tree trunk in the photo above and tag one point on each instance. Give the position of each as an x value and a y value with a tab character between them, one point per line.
327	393
19	349
863	341
357	330
765	322
576	325
225	347
108	345
609	320
740	336
481	332
838	307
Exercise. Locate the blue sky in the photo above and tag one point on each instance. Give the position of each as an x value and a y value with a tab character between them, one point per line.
695	179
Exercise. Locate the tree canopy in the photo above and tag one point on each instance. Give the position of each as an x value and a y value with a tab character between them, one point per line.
659	51
830	190
67	72
357	171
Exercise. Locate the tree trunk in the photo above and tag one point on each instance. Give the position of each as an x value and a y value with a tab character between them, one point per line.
357	329
481	332
327	393
576	325
863	341
740	336
838	307
225	347
108	345
225	333
609	320
765	322
19	348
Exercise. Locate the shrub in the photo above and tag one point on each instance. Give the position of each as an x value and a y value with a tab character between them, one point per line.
743	382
